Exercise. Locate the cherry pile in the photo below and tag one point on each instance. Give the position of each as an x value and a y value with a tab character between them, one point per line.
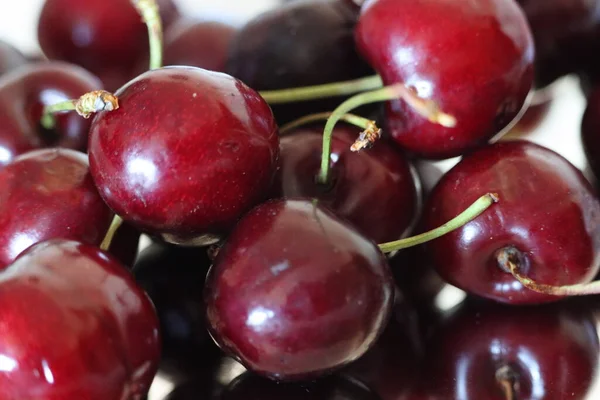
292	249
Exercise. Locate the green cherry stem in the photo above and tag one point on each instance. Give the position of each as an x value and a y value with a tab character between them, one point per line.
427	108
356	120
307	93
474	210
110	234
86	105
149	11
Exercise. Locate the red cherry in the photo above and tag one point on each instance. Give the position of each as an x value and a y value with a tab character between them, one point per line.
474	59
107	37
297	292
74	325
23	95
186	154
10	58
49	194
490	352
377	190
547	221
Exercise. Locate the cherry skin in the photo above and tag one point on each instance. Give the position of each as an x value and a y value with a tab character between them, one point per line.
49	194
299	44
547	213
377	190
74	326
297	292
590	131
23	95
10	58
474	59
545	353
186	154
107	37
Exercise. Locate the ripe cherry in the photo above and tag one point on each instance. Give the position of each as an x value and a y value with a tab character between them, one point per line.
23	95
377	190
547	222
297	292
10	58
47	194
186	154
74	325
473	59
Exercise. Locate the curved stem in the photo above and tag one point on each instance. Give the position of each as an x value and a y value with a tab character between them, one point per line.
110	234
478	207
315	92
149	11
424	107
352	119
86	105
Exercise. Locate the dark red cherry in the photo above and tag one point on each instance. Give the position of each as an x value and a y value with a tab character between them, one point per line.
474	59
107	37
187	153
497	352
297	292
590	131
10	58
299	44
23	95
377	190
47	194
547	220
74	326
251	387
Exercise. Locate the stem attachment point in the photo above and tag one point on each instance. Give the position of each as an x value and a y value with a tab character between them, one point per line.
86	105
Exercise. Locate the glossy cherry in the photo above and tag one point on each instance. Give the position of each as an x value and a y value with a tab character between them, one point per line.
186	154
377	190
299	44
47	194
488	351
74	326
10	58
590	131
107	37
297	292
547	212
23	95
473	59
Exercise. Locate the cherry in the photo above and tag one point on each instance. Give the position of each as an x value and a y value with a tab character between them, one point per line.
49	194
23	95
297	292
376	190
186	154
493	352
298	44
107	37
590	131
74	326
476	66
547	222
10	58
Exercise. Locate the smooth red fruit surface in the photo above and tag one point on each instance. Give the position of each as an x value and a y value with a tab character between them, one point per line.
474	59
74	325
10	58
590	131
187	153
106	37
548	353
297	292
547	211
23	95
299	44
377	190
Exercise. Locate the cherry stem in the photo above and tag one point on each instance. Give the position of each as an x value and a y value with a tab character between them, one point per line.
110	234
335	89
509	259
474	210
424	107
507	380
352	119
150	13
86	105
